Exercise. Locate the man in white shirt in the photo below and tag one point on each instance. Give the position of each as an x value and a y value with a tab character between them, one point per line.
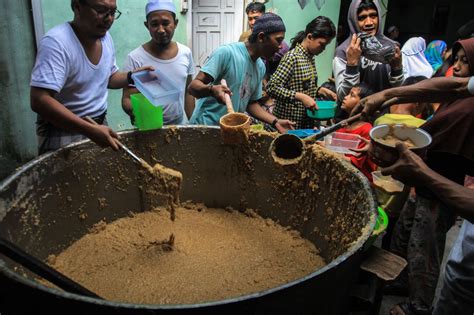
75	66
168	57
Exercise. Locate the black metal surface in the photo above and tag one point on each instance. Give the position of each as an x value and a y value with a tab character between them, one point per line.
41	207
38	267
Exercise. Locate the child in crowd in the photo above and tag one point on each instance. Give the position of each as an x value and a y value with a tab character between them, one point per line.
361	128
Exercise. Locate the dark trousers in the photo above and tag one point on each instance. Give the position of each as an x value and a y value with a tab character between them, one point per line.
420	236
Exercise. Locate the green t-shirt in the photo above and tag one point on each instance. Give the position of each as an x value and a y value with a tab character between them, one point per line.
244	77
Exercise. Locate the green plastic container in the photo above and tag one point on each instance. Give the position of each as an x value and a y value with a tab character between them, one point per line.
381	223
380	227
327	110
147	116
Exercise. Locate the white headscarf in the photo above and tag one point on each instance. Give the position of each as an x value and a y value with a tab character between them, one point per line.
414	60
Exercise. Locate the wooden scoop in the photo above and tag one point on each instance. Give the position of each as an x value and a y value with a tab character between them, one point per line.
235	127
163	181
288	149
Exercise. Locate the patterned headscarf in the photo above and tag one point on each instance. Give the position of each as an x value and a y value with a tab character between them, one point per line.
434	53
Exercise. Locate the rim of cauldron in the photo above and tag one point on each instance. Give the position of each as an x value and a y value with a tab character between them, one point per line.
356	246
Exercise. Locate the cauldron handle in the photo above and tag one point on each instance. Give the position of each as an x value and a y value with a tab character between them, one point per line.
35	265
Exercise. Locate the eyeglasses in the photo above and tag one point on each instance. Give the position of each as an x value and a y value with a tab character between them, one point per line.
102	12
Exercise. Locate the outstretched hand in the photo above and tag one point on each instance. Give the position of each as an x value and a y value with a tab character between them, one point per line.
363	150
369	105
408	167
327	93
283	125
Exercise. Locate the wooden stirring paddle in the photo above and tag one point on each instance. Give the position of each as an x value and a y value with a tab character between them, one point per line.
164	181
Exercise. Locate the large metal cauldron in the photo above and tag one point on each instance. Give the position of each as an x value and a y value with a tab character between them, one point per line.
42	209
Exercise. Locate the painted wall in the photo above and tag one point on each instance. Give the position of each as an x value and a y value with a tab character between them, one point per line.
17	54
17	121
296	19
128	33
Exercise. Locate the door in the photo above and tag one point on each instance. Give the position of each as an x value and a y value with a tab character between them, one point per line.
214	23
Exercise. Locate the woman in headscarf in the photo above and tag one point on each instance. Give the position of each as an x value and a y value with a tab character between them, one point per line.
434	53
414	60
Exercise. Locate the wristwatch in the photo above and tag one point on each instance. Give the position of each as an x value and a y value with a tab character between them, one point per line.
129	78
274	122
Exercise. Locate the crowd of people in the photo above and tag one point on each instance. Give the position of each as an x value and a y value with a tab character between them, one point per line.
276	84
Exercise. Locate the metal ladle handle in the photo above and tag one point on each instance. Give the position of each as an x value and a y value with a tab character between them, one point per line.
120	144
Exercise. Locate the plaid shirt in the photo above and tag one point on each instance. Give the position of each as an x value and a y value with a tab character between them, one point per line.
295	73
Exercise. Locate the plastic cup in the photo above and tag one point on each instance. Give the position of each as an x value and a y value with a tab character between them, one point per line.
147	116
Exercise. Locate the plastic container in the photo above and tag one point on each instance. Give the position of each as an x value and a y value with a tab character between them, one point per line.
341	142
156	87
303	133
147	116
327	110
385	155
387	183
380	227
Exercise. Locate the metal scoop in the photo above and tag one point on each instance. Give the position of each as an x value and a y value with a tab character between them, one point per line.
235	127
163	181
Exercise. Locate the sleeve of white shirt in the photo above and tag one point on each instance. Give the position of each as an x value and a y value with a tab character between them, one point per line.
114	67
470	85
51	66
191	67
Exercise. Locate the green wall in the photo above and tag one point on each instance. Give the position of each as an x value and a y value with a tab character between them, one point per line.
128	33
17	52
296	19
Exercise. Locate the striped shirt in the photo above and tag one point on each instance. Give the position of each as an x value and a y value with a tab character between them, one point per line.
295	73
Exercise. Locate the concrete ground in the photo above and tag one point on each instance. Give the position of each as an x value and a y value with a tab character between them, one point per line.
389	300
